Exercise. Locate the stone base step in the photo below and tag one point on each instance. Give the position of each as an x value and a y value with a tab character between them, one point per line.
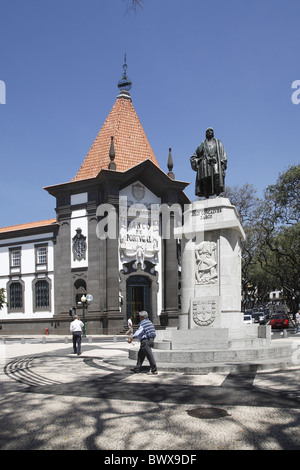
236	355
198	369
232	344
207	368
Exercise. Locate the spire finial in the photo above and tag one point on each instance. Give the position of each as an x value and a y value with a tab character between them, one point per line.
125	83
112	165
170	165
125	66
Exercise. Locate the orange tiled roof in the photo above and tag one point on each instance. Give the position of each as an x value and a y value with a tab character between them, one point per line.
130	142
14	228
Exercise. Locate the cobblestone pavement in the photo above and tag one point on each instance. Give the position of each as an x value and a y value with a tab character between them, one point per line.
53	399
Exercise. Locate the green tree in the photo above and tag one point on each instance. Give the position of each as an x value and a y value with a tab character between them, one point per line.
255	283
279	228
245	199
2	298
271	252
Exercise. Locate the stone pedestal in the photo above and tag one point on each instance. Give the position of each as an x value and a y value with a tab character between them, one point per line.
211	329
211	266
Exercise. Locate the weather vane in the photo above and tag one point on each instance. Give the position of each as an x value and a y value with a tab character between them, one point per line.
125	83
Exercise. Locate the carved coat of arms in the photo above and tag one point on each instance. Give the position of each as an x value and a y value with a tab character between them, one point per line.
204	311
79	245
138	191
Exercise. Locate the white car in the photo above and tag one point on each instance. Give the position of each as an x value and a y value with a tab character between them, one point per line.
248	319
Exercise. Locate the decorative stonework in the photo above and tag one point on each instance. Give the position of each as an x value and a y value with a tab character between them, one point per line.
79	245
138	191
204	311
206	263
139	239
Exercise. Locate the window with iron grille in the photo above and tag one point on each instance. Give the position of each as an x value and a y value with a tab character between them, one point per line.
42	294
15	296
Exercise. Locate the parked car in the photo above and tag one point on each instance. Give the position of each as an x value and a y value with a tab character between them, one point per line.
279	320
267	313
258	317
248	319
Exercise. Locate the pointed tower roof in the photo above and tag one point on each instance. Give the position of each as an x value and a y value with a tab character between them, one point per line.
131	145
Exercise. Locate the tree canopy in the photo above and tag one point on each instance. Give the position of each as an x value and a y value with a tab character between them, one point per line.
271	252
2	298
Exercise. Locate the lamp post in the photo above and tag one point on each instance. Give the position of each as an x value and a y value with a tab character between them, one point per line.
83	301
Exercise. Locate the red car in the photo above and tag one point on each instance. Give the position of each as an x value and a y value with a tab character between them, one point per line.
279	320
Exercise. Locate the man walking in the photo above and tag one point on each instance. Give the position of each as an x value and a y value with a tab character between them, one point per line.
130	327
145	334
76	330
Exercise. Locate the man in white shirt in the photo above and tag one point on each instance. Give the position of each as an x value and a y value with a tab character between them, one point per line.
76	330
130	327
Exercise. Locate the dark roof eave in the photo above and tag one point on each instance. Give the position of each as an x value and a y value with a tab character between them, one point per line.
125	178
137	169
57	188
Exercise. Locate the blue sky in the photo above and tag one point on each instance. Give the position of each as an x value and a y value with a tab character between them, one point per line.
194	64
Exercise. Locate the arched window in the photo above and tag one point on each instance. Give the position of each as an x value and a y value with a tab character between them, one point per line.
80	290
42	298
15	296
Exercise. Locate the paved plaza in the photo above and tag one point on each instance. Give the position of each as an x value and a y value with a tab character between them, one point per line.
52	399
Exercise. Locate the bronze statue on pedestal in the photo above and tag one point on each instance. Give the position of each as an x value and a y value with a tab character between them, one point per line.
210	163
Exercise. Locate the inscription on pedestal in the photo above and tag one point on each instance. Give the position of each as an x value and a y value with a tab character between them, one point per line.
206	213
204	311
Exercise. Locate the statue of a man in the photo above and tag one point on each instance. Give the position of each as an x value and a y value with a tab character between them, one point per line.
210	162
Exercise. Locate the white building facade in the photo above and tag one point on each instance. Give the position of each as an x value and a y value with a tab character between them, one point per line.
47	267
27	273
